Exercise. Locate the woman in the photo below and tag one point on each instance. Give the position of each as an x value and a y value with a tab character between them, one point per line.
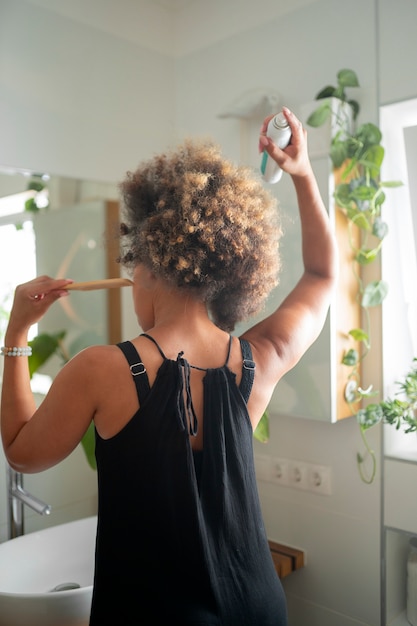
180	536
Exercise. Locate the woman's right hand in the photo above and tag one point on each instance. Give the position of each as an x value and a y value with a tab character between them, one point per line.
31	301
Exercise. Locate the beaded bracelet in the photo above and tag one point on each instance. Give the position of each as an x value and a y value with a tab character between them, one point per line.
24	351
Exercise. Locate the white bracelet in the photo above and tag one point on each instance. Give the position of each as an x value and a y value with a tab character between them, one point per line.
24	351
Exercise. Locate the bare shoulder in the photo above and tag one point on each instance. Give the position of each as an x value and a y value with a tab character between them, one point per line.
97	353
93	362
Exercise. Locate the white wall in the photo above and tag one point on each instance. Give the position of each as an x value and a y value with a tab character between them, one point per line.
78	100
397	50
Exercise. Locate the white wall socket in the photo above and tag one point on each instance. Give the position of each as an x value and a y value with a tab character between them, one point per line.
319	479
279	473
295	474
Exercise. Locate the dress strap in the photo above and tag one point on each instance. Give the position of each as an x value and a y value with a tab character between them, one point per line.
156	343
248	370
195	367
229	350
137	369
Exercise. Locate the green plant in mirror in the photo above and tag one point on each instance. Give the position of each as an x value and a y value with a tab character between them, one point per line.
400	412
358	156
38	201
43	347
345	78
261	432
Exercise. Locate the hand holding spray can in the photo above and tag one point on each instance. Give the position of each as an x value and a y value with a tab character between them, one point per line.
280	133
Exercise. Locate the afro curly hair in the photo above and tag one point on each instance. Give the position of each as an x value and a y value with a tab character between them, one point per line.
205	225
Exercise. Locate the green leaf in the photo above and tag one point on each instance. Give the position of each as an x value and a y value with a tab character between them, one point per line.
380	228
342	195
35	185
369	135
375	155
363	192
326	92
409	387
374	293
372	159
391	183
340	93
338	153
88	443
352	163
359	335
355	107
379	199
359	218
319	116
347	78
30	205
350	358
369	416
365	256
261	432
43	347
393	411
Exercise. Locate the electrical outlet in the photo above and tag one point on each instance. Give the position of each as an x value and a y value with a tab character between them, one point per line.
279	471
319	480
297	475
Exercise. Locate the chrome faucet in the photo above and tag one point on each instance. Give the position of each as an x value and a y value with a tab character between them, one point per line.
17	496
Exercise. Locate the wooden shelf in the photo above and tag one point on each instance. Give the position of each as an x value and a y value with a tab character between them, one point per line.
285	558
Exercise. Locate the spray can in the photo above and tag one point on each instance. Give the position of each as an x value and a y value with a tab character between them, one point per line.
280	133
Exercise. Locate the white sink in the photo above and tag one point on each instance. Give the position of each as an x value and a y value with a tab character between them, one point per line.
46	577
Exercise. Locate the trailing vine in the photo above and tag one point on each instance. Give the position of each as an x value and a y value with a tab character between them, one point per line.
358	155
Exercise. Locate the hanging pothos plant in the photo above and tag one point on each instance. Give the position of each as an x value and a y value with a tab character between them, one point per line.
358	155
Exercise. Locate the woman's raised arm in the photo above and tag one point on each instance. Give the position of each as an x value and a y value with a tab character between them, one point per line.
281	339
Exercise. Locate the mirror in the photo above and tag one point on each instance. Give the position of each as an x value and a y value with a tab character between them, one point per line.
399	259
62	227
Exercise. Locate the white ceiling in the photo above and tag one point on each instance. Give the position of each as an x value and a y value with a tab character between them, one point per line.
172	27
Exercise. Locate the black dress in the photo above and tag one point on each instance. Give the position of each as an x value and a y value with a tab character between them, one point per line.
174	547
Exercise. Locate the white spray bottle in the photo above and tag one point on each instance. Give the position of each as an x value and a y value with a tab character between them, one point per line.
280	133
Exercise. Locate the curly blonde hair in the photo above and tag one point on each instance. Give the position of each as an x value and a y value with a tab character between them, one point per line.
203	224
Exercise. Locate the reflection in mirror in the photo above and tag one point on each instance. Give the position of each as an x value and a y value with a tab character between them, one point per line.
29	222
399	260
60	191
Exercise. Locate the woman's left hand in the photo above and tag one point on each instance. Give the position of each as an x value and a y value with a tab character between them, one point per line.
294	158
